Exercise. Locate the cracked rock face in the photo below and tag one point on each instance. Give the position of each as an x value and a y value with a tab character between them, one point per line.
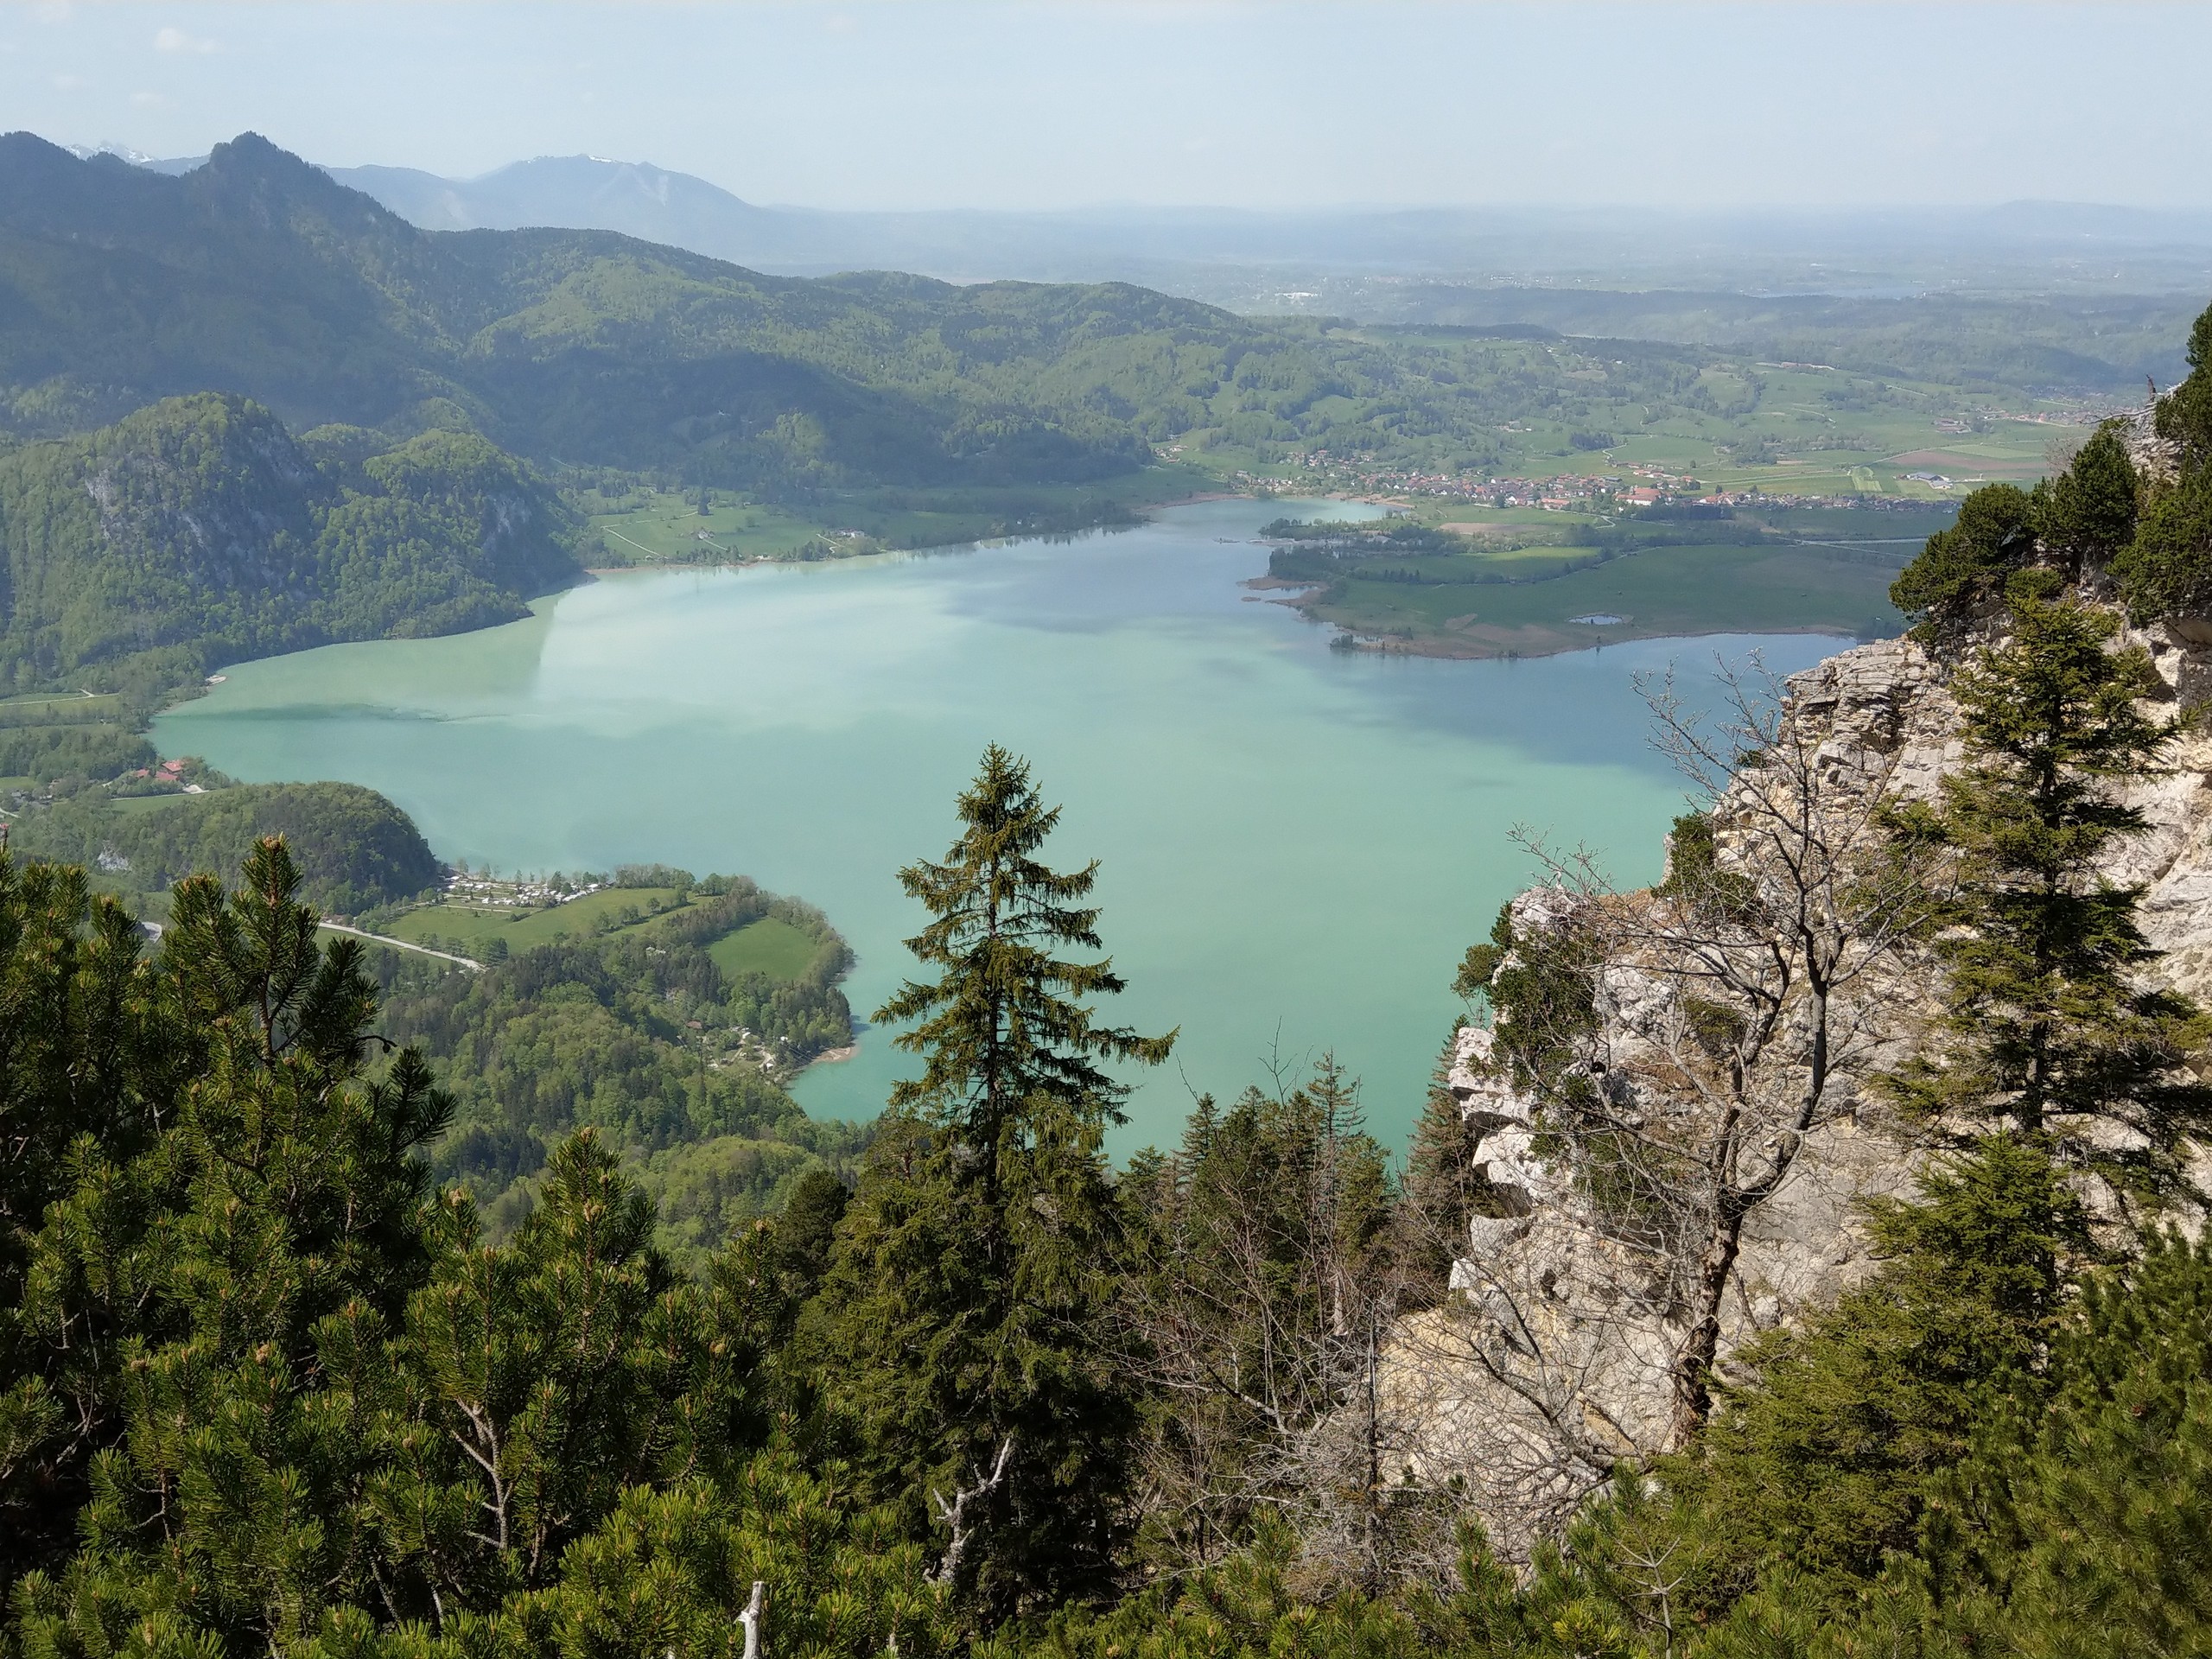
1567	1333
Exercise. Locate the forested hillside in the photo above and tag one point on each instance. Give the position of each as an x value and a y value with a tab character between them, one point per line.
266	1386
257	274
198	532
640	1032
354	850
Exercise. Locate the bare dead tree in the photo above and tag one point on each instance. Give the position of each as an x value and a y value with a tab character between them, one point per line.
1663	1056
755	1611
1263	1283
1520	1384
961	1522
1780	953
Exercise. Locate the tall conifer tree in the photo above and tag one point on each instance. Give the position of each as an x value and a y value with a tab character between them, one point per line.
961	1334
2048	1023
1002	1027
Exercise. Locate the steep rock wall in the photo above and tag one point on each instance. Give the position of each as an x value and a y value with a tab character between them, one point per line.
1557	1354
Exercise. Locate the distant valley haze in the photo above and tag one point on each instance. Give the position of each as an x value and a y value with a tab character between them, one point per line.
961	104
1453	264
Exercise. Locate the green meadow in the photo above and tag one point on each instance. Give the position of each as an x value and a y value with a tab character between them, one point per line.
605	911
771	946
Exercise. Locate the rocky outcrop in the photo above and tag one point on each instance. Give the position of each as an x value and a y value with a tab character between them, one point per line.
1561	1350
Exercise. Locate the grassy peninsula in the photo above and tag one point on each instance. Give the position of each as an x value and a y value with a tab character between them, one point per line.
1516	583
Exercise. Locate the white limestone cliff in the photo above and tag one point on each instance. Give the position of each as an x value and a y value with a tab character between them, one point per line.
1556	1354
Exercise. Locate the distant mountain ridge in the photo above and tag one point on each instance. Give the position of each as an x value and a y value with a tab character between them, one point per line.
1175	247
588	193
1191	251
2055	294
258	273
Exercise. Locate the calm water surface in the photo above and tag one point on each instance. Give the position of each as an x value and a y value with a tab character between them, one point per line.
1297	845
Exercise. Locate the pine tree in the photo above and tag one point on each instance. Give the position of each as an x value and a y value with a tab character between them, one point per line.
2049	1026
2183	418
2085	517
2079	1524
549	1375
218	1293
1959	577
960	1336
2167	570
83	1052
2074	1525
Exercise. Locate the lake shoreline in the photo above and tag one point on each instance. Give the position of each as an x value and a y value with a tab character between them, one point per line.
774	726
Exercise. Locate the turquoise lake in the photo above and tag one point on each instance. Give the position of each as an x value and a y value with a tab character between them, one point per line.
1296	844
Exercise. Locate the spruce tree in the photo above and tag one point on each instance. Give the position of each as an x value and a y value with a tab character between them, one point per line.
1263	1280
1002	1028
2047	1024
961	1339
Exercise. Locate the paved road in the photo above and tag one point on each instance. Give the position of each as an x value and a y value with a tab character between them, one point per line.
473	966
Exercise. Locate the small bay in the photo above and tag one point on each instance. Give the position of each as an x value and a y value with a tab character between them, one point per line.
1296	843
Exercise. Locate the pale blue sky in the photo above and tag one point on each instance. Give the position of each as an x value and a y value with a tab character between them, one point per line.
869	103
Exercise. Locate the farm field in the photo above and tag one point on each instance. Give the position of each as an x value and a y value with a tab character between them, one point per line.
665	526
470	925
771	946
1727	422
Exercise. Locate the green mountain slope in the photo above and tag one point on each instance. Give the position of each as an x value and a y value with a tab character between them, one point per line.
355	850
259	274
199	531
906	407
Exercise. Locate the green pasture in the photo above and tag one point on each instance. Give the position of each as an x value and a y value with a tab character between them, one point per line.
131	805
658	526
46	705
578	918
771	946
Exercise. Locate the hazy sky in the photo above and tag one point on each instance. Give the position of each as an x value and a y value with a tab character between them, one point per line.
869	103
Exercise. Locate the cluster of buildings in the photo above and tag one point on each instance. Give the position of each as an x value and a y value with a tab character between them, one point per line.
1641	485
171	772
1558	492
489	891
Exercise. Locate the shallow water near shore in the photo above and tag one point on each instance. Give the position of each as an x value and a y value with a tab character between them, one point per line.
1296	844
